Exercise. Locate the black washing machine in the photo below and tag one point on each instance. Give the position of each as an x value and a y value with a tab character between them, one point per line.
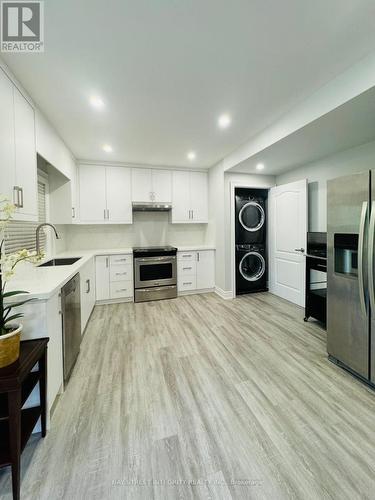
251	269
251	215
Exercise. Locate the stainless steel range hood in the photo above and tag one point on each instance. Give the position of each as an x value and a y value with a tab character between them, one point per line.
151	207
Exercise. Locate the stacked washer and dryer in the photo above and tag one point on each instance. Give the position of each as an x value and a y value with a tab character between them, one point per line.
251	240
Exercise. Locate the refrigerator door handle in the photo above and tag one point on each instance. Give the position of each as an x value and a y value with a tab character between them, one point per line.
362	226
371	240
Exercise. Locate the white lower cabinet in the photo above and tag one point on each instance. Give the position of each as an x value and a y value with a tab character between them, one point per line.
205	269
42	318
88	297
114	277
195	270
121	289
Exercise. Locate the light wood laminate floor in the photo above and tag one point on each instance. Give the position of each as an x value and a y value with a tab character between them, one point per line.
199	397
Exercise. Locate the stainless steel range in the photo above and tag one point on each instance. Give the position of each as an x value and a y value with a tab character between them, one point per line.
155	273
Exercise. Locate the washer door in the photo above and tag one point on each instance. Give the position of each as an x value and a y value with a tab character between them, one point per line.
252	266
252	216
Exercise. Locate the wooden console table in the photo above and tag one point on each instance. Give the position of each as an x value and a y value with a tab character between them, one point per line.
16	424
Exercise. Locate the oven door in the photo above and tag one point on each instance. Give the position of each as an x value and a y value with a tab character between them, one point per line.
155	271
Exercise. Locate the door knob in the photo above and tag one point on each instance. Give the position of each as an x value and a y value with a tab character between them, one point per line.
302	250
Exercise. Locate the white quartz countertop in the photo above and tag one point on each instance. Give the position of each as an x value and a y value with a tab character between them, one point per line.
194	248
43	282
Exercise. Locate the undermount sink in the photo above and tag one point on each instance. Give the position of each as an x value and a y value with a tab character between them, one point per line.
66	261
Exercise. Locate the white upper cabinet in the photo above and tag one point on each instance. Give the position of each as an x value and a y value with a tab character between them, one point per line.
26	169
18	172
181	209
190	197
150	185
7	147
199	196
141	184
104	195
162	186
92	194
118	181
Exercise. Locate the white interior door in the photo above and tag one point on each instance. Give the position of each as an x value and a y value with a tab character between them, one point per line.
287	240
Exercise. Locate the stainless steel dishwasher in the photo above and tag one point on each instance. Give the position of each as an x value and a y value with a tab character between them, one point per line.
71	323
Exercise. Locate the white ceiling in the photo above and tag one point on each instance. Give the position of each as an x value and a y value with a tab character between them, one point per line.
347	126
167	69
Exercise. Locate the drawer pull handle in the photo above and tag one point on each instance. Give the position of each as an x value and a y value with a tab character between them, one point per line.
186	268
121	274
122	290
187	255
188	283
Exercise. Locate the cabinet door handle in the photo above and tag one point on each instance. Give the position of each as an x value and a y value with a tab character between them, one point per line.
73	213
21	196
198	257
192	215
16	197
88	289
107	213
106	262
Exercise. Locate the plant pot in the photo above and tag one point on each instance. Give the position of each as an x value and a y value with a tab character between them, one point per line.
10	346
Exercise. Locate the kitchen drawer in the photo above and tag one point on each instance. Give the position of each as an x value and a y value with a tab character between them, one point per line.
186	268
121	289
186	283
119	260
121	273
187	256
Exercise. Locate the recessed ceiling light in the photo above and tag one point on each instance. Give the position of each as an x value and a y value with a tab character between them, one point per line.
224	121
107	148
96	102
260	166
191	156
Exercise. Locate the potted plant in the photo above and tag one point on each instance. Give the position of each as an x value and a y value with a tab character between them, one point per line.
10	326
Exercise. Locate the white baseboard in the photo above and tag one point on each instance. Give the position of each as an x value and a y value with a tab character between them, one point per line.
224	294
113	301
195	292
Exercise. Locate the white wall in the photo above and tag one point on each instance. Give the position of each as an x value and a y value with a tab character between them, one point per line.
215	231
347	162
148	229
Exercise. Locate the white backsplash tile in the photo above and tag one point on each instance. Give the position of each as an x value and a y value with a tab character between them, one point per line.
148	229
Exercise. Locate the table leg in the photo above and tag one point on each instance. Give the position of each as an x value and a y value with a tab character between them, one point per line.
14	407
43	391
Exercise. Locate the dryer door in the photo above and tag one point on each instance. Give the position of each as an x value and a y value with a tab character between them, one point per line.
252	216
252	266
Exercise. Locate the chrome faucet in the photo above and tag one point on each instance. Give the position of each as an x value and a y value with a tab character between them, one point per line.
38	234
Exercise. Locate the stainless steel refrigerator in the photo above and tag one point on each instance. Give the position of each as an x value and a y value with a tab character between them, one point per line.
350	273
